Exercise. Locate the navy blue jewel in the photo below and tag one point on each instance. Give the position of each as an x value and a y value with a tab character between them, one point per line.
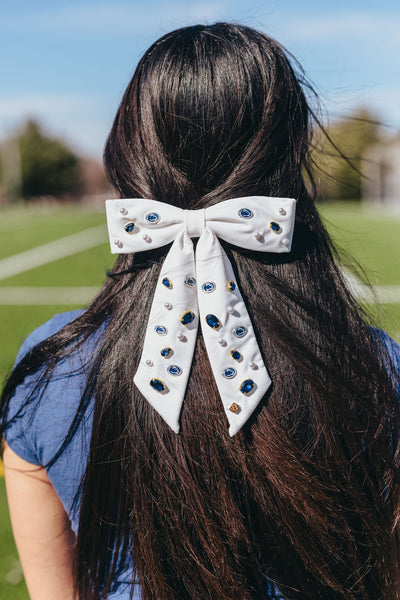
161	330
208	286
247	386
190	281
231	286
187	317
174	370
167	282
152	218
245	213
166	352
129	227
235	354
229	373
239	331
275	227
158	385
213	321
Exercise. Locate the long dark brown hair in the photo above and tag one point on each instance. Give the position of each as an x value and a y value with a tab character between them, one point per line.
306	495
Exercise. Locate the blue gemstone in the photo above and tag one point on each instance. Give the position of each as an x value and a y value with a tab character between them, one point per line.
129	227
208	286
246	386
229	373
152	218
167	282
190	281
231	286
275	226
245	213
166	352
161	330
188	317
239	331
235	354
174	370
213	321
157	385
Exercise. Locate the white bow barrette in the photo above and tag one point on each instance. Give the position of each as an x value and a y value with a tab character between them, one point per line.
201	287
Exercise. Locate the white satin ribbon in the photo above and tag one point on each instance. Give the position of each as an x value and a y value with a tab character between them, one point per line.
201	287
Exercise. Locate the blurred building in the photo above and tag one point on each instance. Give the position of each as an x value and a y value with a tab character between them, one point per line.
381	168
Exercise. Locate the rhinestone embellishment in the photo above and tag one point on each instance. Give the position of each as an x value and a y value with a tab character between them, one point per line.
239	331
167	282
231	286
187	317
229	373
246	386
161	330
190	281
158	385
285	242
166	352
245	213
129	227
174	370
152	218
213	321
208	286
235	355
276	228
282	211
235	408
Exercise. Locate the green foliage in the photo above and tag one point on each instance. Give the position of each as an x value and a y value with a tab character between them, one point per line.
49	167
338	178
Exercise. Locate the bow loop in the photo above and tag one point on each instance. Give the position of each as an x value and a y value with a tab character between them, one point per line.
201	288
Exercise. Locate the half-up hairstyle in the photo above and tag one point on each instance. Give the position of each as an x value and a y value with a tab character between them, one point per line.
306	495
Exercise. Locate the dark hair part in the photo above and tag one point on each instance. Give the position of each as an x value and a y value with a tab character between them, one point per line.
307	493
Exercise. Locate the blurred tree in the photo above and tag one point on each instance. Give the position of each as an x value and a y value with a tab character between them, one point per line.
48	166
339	177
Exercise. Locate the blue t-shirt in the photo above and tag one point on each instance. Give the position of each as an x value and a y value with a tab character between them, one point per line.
39	430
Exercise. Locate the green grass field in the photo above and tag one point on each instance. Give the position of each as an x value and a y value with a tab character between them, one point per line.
372	239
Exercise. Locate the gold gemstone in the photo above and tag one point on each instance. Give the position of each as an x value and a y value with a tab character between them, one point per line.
235	408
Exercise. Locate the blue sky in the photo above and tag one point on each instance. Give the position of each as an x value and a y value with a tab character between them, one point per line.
67	62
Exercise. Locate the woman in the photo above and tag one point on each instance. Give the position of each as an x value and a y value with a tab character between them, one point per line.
303	501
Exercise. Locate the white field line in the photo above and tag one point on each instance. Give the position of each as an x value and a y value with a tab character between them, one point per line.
95	236
23	296
41	255
384	294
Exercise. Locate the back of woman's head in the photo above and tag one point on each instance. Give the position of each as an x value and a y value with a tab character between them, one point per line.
212	112
306	494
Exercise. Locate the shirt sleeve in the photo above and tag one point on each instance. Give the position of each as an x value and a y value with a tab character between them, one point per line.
19	433
392	349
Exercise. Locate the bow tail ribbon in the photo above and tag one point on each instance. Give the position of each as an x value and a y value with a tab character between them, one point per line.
202	289
171	334
239	371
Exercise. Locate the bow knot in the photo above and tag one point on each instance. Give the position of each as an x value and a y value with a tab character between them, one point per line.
201	288
195	222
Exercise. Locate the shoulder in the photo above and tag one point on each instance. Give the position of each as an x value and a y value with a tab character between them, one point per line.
46	330
389	345
40	408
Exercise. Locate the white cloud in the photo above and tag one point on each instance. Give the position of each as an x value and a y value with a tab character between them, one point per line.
79	119
382	101
336	26
117	17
